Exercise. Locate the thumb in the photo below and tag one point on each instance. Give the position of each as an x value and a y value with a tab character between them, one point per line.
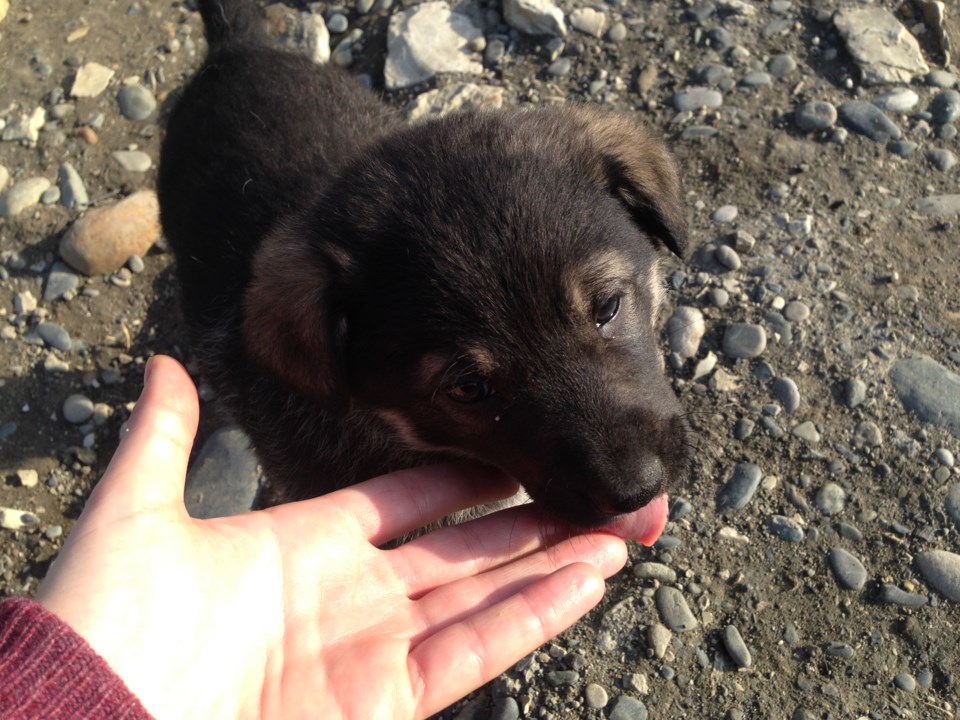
149	467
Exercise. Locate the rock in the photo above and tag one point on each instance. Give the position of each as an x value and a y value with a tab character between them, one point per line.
454	98
785	528
658	639
945	107
314	40
941	570
905	681
617	33
559	67
4	7
504	708
897	596
942	159
535	17
899	100
867	119
55	336
28	478
884	50
132	160
73	193
589	21
91	80
22	195
26	128
24	303
13	519
930	390
656	571
952	504
939	205
849	571
562	678
725	214
60	282
102	240
224	478
685	328
628	708
785	390
674	610
77	409
50	196
744	340
595	696
696	98
855	392
136	102
831	499
815	115
728	257
739	489
427	39
807	431
782	65
736	648
4	177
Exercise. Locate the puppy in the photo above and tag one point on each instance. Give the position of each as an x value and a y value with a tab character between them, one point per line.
366	296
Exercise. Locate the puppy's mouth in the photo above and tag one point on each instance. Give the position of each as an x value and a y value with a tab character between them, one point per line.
644	525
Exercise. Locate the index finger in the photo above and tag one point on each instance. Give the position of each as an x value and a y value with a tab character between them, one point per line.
390	506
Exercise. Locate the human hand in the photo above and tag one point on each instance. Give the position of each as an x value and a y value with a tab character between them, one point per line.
295	611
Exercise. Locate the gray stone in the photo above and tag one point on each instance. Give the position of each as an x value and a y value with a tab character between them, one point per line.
535	17
884	50
902	148
939	205
589	20
77	409
739	489
50	196
899	100
855	392
781	65
897	596
785	528
22	195
941	159
930	390
224	479
728	257
755	80
338	23
736	648
674	610
869	120
867	434
725	214
685	329
628	708
26	128
561	678
796	311
54	336
941	570
905	681
709	74
24	303
617	33
559	67
428	39
945	107
831	499
696	98
73	193
136	102
658	639
815	115
60	282
786	391
744	340
457	97
944	457
849	571
839	650
132	160
656	571
91	80
952	504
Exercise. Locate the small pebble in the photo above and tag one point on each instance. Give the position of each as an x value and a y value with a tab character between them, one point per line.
831	499
618	33
744	340
781	66
559	678
899	100
596	697
135	264
132	160
855	392
559	67
28	478
944	457
50	196
952	503
628	708
674	610
941	159
945	107
869	120
807	431
53	532
136	102
54	336
796	311
785	390
739	489
898	596
13	519
719	297
337	23
735	647
905	682
785	528
697	98
728	257
22	195
867	434
73	193
815	115
685	328
655	571
658	639
725	214
839	650
849	571
77	409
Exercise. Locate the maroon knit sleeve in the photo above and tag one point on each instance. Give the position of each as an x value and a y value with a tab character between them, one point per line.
48	671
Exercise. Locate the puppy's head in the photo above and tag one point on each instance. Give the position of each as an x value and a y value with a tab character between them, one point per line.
488	285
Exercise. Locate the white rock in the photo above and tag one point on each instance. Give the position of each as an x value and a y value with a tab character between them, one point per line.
427	39
133	160
4	6
454	98
882	47
898	100
535	17
28	478
27	127
22	195
24	303
316	38
91	80
589	21
685	328
4	177
13	519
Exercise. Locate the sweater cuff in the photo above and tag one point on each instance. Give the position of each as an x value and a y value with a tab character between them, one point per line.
49	671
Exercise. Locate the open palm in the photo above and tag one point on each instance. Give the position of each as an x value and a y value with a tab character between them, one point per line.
296	611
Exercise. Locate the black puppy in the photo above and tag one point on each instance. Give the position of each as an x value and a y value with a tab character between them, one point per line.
366	296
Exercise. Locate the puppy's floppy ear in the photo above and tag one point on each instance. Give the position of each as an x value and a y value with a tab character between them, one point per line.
289	326
639	170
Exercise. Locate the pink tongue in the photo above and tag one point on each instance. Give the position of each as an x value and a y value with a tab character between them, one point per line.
643	525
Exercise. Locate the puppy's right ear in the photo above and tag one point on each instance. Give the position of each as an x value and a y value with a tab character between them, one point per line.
289	327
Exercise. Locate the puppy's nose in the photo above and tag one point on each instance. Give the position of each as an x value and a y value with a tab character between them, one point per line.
636	488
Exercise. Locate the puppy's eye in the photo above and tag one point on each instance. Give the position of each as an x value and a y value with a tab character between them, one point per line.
608	311
470	389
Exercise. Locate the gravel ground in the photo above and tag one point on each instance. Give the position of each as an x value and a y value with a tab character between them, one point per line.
810	569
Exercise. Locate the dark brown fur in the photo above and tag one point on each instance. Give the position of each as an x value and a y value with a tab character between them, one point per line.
348	279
